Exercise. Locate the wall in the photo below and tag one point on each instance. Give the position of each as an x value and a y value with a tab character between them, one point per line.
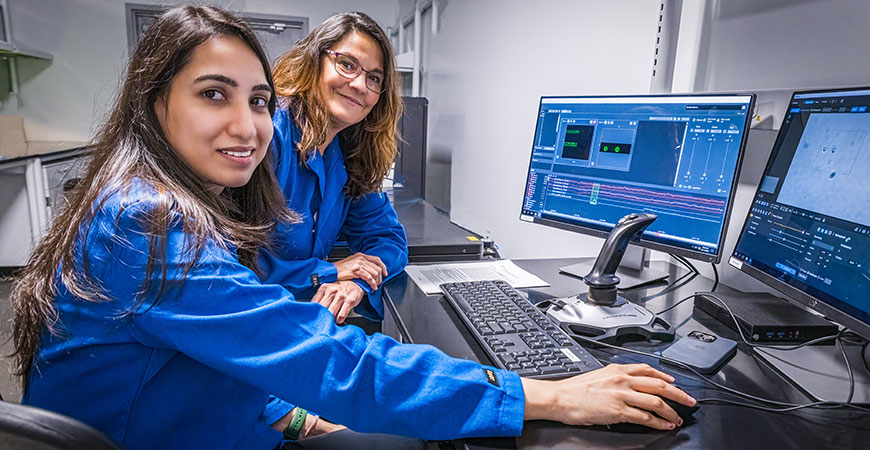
771	48
63	100
484	73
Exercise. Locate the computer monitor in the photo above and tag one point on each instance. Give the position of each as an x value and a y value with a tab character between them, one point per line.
597	159
807	233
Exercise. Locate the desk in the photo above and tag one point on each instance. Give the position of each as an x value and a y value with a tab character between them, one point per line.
415	317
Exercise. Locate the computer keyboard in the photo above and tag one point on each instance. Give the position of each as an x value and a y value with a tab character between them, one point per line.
515	334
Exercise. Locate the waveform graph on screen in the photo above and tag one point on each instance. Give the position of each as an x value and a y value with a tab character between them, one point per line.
564	191
831	167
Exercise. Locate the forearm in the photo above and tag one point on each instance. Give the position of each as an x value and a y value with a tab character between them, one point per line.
541	399
310	421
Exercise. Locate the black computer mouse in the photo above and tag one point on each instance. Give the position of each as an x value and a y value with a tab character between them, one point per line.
685	412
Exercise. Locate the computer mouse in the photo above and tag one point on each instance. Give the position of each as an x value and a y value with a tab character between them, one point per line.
685	412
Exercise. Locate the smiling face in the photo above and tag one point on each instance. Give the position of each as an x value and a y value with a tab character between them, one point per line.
216	114
349	100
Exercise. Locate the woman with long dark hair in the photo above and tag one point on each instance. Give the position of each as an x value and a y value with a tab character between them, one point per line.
335	141
141	312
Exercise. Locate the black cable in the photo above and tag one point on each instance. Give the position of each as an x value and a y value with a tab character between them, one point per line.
673	286
688	264
819	405
866	350
716	275
787	406
675	304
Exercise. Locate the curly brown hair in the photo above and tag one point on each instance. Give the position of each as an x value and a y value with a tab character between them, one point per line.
369	146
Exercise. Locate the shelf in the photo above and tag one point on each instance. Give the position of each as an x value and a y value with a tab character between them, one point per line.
10	49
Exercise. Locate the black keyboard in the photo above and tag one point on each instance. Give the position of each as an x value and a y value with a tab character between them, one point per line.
515	334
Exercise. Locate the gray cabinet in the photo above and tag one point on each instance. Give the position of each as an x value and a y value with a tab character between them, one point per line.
277	33
33	190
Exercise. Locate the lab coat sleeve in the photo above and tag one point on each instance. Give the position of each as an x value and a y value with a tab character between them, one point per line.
372	227
301	274
297	275
276	409
219	314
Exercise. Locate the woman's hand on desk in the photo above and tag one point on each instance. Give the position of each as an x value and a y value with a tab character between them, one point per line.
365	267
340	297
616	393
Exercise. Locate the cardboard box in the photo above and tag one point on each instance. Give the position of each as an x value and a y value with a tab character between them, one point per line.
12	141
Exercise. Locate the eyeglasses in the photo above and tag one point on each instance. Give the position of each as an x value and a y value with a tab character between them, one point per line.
348	67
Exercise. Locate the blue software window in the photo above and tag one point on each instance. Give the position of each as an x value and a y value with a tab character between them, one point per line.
596	159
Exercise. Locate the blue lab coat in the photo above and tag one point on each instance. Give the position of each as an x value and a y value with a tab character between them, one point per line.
194	370
315	190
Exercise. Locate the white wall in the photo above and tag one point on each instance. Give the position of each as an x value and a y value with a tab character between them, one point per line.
786	44
63	100
484	73
773	48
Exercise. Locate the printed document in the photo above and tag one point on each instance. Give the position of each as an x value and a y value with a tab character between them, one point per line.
430	277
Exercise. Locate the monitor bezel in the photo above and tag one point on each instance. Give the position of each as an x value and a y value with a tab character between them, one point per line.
817	304
643	242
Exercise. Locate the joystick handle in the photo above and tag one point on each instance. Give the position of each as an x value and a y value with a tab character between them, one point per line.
602	279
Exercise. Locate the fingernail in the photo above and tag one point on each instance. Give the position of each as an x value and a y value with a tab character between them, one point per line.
692	399
671	426
680	422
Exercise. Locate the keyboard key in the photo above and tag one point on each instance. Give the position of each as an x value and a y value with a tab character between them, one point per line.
515	334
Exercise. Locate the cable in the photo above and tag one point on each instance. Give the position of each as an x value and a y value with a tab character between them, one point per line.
675	304
786	406
716	275
676	284
819	405
865	351
686	263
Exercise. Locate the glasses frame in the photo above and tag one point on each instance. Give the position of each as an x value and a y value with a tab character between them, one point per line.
335	55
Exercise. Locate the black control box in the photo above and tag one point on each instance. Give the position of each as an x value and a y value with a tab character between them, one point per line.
765	317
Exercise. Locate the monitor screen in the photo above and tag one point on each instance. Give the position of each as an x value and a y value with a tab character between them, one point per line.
597	159
808	230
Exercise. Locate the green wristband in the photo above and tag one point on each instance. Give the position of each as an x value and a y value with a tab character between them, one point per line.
295	427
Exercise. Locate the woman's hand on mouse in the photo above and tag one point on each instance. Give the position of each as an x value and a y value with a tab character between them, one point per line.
614	394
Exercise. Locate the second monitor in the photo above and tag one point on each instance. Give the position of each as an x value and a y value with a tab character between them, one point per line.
596	159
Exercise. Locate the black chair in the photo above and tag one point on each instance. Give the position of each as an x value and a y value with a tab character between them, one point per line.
25	427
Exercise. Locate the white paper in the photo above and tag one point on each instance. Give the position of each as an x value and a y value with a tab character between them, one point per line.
430	277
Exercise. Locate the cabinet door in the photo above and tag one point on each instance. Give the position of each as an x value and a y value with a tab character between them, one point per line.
277	33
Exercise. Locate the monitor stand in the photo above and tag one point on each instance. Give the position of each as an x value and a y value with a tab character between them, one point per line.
819	370
632	271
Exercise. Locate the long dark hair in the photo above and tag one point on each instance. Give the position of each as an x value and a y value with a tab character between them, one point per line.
131	145
369	146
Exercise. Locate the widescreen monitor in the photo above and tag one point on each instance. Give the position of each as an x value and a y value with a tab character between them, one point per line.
807	233
597	159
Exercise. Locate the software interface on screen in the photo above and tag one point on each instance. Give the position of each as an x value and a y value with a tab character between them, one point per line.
809	225
596	159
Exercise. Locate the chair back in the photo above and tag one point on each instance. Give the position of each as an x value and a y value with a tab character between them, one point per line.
25	427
